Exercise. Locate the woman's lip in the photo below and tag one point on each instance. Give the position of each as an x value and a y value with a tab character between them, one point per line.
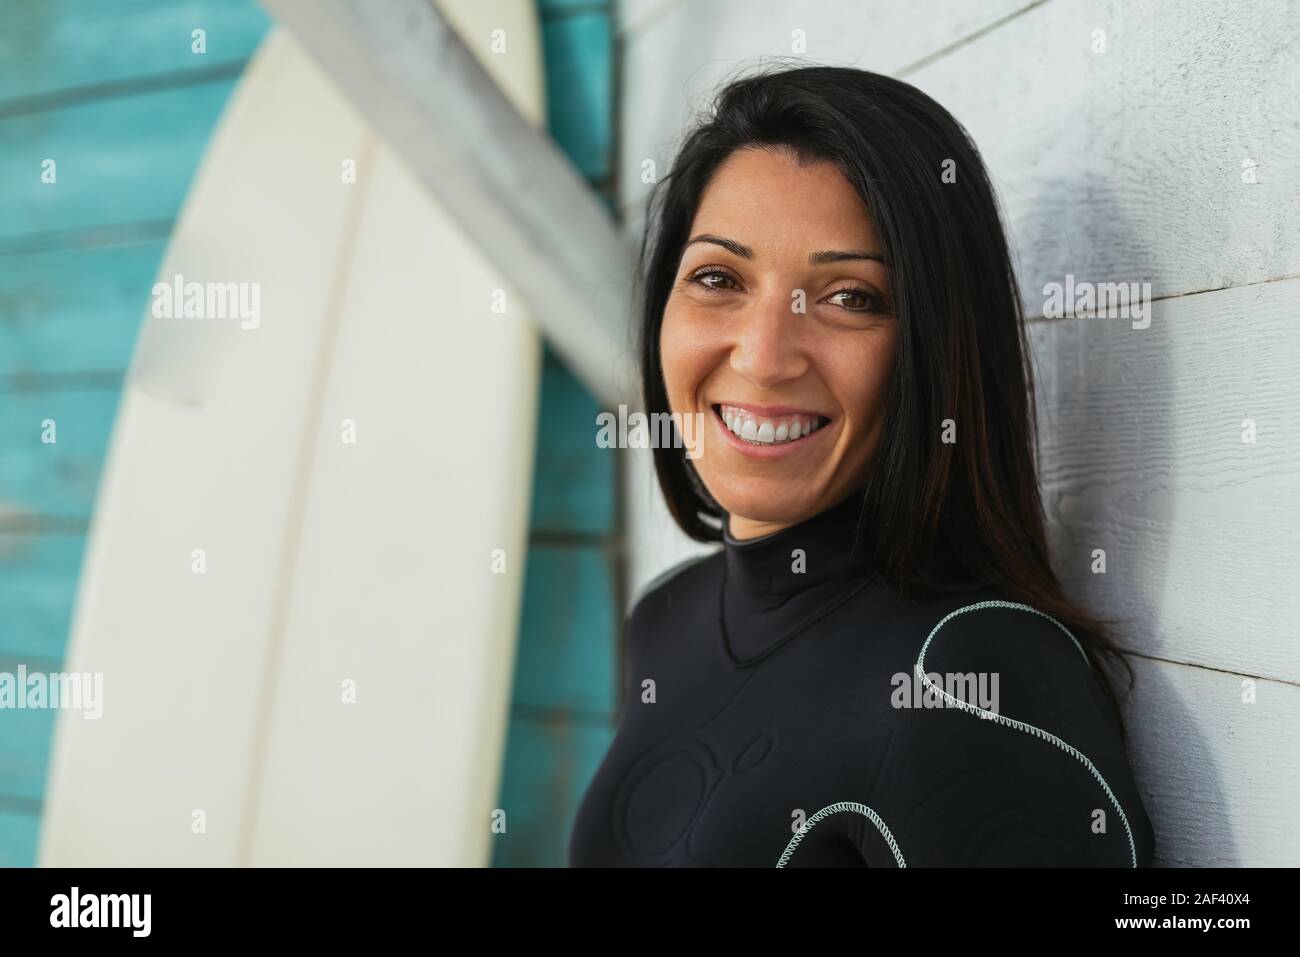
770	411
766	451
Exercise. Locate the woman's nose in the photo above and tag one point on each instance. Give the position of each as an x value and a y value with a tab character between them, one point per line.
766	350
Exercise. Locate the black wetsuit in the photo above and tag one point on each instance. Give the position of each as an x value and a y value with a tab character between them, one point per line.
770	717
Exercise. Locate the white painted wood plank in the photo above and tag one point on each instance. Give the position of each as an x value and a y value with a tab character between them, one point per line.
657	543
1142	455
1217	775
675	57
633	16
1128	164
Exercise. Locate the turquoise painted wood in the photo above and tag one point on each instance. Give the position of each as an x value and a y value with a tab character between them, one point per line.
565	686
38	586
25	745
547	767
118	161
565	658
112	91
573	478
68	310
17	838
579	68
52	45
560	8
58	478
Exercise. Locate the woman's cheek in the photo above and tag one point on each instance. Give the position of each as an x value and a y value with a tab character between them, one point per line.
866	381
682	353
669	359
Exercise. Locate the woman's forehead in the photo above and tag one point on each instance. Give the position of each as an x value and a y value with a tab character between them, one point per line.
765	199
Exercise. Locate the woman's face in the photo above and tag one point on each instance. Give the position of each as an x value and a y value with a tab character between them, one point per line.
780	320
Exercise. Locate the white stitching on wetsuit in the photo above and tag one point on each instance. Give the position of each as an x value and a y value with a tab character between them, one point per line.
1012	722
831	809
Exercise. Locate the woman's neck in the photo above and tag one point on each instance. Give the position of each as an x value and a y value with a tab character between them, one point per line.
742	529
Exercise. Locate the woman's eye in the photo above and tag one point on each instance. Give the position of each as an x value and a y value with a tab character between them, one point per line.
702	279
857	300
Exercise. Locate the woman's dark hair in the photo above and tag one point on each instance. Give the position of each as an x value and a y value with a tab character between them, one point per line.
942	516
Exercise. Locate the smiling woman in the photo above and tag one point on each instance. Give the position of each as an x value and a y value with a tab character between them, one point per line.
826	279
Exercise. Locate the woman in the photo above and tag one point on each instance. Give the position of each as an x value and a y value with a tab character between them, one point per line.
879	667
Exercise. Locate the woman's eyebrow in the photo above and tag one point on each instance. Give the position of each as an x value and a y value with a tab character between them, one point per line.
741	250
843	255
815	259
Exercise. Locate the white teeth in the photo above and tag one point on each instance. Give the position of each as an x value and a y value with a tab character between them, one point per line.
762	431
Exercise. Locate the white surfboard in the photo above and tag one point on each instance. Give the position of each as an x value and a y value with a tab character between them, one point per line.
289	585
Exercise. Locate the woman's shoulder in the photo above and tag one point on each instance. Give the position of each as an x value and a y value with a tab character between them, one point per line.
982	629
1003	697
1034	660
984	626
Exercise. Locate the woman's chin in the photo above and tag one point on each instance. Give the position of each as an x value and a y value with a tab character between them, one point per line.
773	506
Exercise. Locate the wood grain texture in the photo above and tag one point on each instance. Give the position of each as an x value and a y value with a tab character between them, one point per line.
58	478
25	744
57	45
567	658
678	54
550	760
579	69
1142	456
573	478
1127	165
38	582
120	161
73	309
1217	775
18	831
112	91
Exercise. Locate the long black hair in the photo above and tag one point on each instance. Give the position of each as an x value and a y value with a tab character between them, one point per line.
942	516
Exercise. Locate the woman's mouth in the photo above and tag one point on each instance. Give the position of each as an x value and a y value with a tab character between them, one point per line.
779	429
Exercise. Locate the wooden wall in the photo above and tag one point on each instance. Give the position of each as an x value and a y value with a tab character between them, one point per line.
112	91
1131	164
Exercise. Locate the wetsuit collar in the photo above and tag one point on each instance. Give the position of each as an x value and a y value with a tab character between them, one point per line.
796	558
